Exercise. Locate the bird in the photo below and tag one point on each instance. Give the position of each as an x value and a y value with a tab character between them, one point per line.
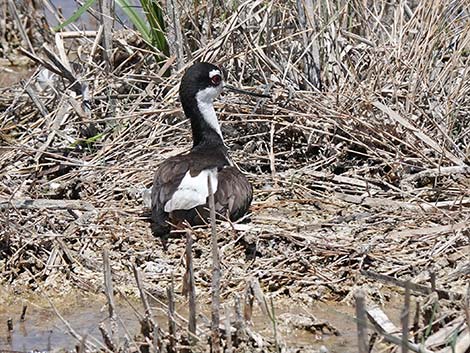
180	186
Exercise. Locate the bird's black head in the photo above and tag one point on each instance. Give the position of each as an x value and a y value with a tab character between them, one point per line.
200	85
201	77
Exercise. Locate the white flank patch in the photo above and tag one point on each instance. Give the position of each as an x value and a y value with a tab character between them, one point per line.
192	191
205	103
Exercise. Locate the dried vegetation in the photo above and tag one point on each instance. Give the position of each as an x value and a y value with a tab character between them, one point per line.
360	161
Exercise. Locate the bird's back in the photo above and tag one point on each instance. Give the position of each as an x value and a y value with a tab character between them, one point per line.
180	190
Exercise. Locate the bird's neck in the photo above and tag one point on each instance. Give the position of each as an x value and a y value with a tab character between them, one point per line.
204	124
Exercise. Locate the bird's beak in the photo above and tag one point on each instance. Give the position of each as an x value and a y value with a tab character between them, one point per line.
238	90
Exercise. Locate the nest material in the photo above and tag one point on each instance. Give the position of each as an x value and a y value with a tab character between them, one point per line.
370	173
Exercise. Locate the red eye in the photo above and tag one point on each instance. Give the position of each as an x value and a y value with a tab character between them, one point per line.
216	79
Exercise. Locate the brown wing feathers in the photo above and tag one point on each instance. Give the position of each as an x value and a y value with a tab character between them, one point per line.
232	198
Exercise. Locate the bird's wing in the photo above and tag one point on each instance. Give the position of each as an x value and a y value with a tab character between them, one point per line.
234	193
166	180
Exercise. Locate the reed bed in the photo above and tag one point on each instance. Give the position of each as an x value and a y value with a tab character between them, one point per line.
359	161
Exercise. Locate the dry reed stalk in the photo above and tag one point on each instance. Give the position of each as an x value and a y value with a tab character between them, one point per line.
228	330
467	307
19	24
174	33
171	316
106	18
191	289
216	274
109	291
149	327
405	315
361	318
240	321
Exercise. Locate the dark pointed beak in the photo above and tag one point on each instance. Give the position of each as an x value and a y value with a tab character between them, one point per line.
238	90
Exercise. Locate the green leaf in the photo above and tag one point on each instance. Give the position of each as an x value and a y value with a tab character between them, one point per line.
76	15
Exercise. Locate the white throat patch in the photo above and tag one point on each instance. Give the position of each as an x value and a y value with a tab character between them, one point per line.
205	103
192	191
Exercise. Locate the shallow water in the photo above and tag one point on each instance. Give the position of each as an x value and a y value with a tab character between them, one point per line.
43	330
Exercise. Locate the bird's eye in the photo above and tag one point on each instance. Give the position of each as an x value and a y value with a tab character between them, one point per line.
216	79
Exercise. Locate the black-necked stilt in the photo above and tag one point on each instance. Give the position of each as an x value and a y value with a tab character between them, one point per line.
180	187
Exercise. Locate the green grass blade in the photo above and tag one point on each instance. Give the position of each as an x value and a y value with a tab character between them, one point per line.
154	13
137	20
75	16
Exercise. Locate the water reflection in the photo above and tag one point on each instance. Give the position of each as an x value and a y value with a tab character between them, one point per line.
87	21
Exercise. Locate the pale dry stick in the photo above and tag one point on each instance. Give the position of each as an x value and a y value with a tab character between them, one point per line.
74	334
35	99
228	330
418	133
54	126
174	33
191	289
240	322
148	325
442	294
106	18
81	348
95	45
46	204
109	291
215	286
467	307
272	316
272	161
436	172
389	331
312	64
59	42
405	315
19	24
108	341
61	70
361	318
221	40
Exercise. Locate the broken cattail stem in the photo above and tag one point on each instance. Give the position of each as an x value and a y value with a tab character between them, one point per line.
432	276
148	327
248	302
361	321
10	324
140	286
82	346
108	289
106	19
416	321
215	286
405	319
467	306
23	313
274	322
239	324
108	341
191	288
171	315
